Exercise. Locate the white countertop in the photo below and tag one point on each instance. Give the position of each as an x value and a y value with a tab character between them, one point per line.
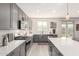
67	47
10	47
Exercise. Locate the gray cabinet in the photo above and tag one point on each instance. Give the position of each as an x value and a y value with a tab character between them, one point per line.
10	13
19	51
53	51
11	53
35	38
8	16
43	38
29	43
29	23
14	16
22	50
40	38
24	16
5	16
20	14
15	52
56	52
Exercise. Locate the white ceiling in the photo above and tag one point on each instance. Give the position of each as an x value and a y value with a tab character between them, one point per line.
47	10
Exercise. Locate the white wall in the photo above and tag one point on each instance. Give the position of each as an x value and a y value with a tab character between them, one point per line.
76	33
48	20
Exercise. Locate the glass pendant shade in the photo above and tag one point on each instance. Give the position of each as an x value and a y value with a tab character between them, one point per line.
67	16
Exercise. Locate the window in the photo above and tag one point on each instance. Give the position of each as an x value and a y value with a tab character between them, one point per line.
42	27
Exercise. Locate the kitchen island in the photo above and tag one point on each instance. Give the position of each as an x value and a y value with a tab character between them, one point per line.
65	47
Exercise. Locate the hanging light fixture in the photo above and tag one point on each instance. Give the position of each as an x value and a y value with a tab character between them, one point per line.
67	15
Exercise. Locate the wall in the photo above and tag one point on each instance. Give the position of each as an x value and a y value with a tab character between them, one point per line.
48	20
76	33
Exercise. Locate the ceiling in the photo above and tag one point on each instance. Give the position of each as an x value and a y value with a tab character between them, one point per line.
48	10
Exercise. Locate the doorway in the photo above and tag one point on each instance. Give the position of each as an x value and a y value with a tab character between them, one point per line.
67	29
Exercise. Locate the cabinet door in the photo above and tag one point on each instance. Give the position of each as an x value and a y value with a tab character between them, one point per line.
14	16
50	48
20	14
22	50
20	18
24	16
36	38
17	51
4	16
45	38
54	51
11	53
40	38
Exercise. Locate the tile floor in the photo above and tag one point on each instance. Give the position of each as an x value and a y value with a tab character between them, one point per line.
39	50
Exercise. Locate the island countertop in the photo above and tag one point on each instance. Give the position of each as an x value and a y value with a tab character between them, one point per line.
67	47
5	50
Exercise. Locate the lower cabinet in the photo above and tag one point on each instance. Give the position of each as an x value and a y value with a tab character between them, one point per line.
22	50
19	51
53	51
35	38
28	46
15	52
40	38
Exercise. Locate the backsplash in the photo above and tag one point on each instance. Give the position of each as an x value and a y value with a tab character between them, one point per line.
3	32
15	32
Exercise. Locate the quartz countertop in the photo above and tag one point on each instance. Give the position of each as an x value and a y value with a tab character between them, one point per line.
5	50
67	47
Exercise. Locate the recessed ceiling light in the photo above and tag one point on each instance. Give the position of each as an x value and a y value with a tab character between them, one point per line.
43	4
60	4
54	11
78	11
37	10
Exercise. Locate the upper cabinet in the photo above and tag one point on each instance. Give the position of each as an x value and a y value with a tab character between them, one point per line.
20	14
29	22
5	18
23	21
8	16
12	17
23	16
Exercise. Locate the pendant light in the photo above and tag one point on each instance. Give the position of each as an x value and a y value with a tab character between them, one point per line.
67	15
